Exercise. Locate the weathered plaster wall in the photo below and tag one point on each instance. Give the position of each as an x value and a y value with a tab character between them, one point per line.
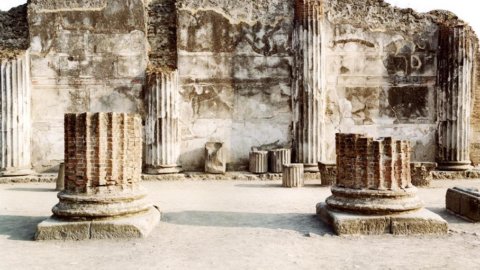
380	73
234	60
87	56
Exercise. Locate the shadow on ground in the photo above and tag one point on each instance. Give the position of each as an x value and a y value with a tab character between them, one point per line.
33	189
449	217
301	223
19	227
307	185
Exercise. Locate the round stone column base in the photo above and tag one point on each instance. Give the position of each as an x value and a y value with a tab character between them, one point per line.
418	222
85	207
166	169
310	167
131	226
16	172
454	166
374	201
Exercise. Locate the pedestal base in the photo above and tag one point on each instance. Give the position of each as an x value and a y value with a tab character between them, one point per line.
310	168
418	222
20	172
162	170
455	166
134	226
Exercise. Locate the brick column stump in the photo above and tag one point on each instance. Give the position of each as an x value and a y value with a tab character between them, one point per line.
102	197
373	193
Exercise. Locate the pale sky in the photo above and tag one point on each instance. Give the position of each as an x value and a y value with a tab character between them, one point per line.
467	10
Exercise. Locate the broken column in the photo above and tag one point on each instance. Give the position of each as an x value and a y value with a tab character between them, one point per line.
215	161
102	197
293	175
258	162
162	128
308	91
277	158
455	80
373	193
15	126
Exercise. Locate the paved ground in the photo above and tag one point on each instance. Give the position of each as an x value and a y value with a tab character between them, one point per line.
232	225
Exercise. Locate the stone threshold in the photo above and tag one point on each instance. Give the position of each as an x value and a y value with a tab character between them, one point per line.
192	176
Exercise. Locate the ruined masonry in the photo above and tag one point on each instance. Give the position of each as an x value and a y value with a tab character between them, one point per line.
102	197
268	74
373	193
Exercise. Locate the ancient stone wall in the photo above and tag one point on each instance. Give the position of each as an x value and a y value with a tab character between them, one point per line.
235	69
251	73
162	33
14	37
87	56
380	73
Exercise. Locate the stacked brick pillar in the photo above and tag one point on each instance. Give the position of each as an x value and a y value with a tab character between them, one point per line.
102	196
308	91
15	122
373	176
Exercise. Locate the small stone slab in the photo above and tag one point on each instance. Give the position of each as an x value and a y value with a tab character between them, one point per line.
135	226
464	202
215	162
421	173
328	172
421	222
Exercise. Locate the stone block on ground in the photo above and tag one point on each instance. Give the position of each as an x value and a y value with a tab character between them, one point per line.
420	222
215	160
328	172
422	173
464	202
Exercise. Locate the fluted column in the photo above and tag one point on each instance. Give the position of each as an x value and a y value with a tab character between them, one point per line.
308	95
15	116
162	130
457	48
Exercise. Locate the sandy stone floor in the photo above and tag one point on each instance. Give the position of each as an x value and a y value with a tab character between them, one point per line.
232	225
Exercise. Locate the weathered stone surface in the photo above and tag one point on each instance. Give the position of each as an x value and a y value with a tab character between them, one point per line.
15	119
328	173
456	56
86	56
258	162
410	223
254	73
308	95
14	32
60	185
373	193
293	175
137	226
215	158
421	173
464	202
373	176
162	125
277	158
103	160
